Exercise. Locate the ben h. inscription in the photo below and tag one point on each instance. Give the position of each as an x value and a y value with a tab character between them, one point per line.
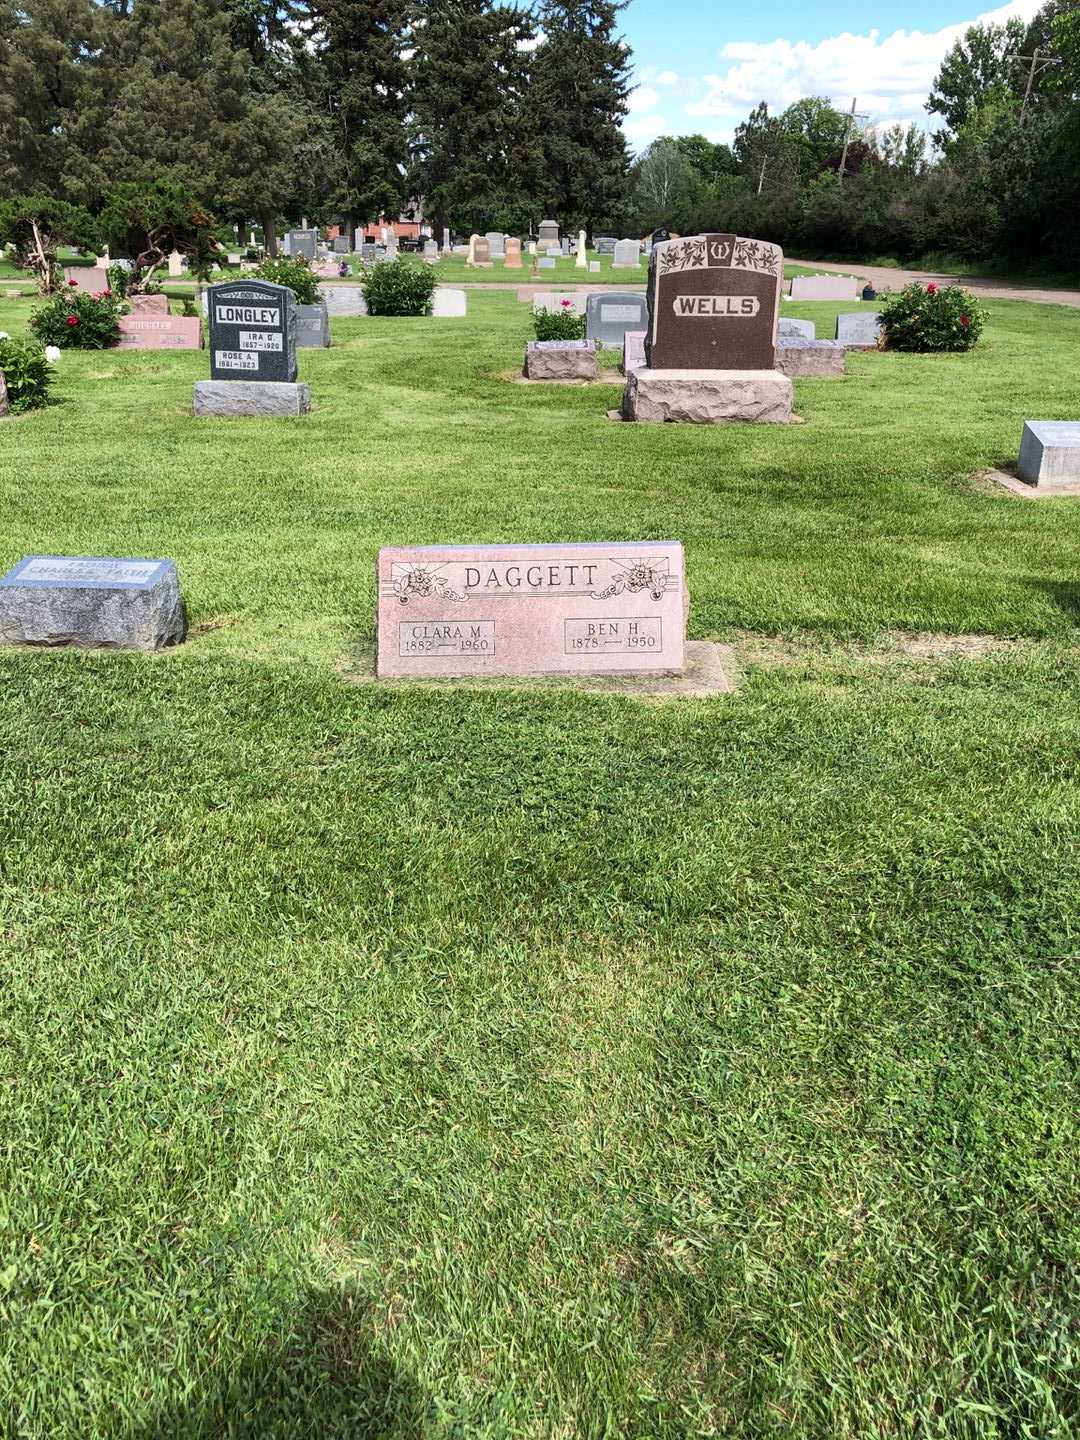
532	609
252	331
714	303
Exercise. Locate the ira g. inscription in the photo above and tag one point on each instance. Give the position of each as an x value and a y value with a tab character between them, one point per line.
532	609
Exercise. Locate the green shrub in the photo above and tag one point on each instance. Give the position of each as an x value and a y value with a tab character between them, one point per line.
118	281
26	372
294	272
559	324
78	320
398	287
931	319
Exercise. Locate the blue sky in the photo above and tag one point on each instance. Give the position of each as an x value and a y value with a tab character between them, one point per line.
702	66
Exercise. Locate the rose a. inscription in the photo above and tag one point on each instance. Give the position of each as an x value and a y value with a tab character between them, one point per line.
532	609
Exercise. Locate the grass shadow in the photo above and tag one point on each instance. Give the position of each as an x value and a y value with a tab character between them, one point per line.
324	1373
1064	593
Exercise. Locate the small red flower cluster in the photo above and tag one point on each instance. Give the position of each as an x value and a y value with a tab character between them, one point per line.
931	289
74	284
72	319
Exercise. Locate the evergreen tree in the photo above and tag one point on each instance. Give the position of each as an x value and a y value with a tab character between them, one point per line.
360	47
577	100
473	160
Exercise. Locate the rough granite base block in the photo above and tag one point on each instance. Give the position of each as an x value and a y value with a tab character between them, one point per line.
708	397
251	397
800	358
1050	452
560	360
94	617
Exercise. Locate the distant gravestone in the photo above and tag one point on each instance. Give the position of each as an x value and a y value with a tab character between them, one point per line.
1050	453
312	327
345	300
119	604
549	233
594	267
496	244
609	317
92	279
605	244
796	329
860	329
556	301
149	304
513	253
448	304
341	245
176	265
627	255
633	356
252	352
714	303
446	240
159	332
824	287
564	247
532	609
481	252
431	250
546	264
799	359
303	242
369	252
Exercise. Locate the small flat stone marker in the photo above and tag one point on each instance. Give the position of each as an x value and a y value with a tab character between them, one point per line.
118	604
1050	453
825	287
798	359
789	329
560	360
448	304
633	355
532	609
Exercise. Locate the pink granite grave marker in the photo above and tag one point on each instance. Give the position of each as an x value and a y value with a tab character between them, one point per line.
160	332
582	609
149	304
91	278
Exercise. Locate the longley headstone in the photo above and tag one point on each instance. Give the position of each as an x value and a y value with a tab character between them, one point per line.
121	604
252	331
714	303
532	609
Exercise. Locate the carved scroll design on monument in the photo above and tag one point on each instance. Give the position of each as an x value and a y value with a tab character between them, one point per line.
425	583
753	255
646	575
683	255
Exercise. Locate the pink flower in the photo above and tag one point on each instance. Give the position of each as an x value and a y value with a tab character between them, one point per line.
566	304
74	284
965	321
931	289
72	319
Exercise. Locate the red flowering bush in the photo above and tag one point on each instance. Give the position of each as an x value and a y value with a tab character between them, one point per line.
559	323
77	320
930	319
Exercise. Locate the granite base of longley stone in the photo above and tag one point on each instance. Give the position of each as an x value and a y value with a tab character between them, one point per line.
1050	453
54	600
708	397
261	398
560	360
799	359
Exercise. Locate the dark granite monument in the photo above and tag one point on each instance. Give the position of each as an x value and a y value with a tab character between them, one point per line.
714	303
253	371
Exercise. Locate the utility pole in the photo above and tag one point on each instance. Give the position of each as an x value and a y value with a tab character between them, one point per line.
1037	63
848	128
761	177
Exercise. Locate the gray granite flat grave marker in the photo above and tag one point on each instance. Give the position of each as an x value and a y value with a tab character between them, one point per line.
547	264
608	317
312	327
627	255
859	328
345	300
594	267
605	244
532	609
252	331
798	358
448	304
120	604
796	329
1050	453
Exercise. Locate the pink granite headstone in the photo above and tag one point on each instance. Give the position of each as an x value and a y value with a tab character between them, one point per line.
580	609
91	278
160	332
149	304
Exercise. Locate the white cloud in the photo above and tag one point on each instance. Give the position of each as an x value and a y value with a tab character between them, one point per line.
645	128
890	75
667	77
643	98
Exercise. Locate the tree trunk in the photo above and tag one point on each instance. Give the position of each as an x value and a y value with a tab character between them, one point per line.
270	236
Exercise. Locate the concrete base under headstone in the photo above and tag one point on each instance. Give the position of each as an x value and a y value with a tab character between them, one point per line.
1050	453
801	358
560	360
251	397
708	397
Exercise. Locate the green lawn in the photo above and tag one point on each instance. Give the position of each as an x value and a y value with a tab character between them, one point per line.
473	1064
